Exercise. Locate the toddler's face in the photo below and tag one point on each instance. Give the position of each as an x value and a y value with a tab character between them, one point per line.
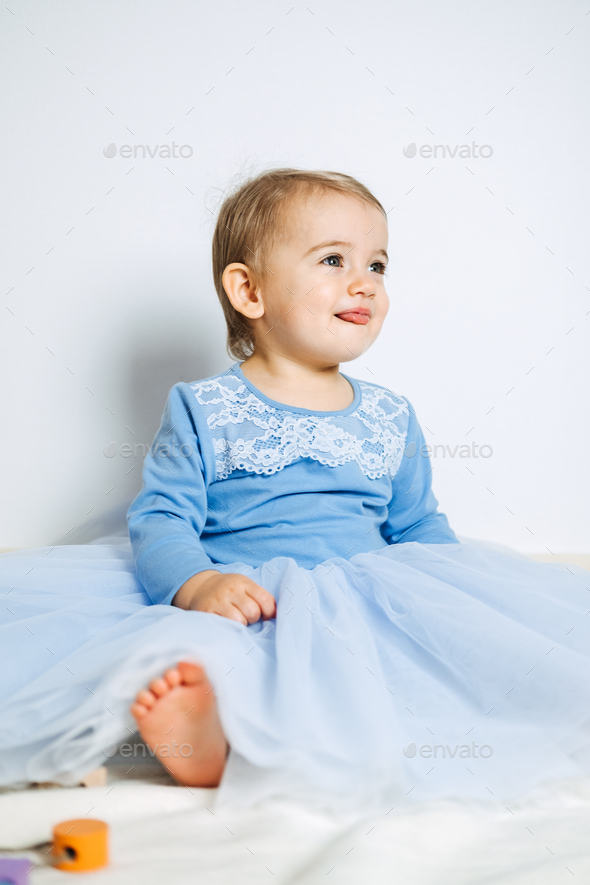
326	302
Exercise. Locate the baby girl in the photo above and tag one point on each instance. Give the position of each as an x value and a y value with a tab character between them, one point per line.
299	263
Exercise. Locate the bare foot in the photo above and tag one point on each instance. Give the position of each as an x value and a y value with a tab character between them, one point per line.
177	718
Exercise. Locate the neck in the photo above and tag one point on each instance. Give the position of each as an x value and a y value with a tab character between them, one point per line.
296	384
287	371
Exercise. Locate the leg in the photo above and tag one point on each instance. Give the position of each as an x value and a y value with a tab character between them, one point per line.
177	718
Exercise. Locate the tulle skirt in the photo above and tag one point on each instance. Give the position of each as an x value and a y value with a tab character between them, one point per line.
414	672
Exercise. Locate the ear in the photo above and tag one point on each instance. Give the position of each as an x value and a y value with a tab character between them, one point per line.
238	282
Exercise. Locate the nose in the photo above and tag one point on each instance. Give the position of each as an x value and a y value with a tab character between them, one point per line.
361	282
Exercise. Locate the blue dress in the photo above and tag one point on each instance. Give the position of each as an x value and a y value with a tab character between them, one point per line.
403	664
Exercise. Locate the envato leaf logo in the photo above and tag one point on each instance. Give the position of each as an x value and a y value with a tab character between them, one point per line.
432	151
410	750
143	151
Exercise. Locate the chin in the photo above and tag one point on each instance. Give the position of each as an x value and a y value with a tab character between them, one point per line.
346	356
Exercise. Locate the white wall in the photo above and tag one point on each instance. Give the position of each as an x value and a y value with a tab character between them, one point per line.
124	306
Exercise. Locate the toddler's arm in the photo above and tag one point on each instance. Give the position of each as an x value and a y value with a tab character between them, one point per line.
413	513
168	516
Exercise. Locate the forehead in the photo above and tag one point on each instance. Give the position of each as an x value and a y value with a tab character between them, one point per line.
333	213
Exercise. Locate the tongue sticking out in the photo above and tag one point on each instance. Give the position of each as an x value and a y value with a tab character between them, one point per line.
350	316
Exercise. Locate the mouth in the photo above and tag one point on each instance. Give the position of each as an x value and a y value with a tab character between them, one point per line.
360	316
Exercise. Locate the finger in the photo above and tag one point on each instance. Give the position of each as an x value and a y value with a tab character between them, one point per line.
247	605
265	600
229	610
234	613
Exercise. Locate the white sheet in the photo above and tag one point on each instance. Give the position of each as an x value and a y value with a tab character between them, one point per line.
165	835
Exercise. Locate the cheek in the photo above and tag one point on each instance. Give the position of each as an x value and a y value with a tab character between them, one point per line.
322	297
383	308
299	323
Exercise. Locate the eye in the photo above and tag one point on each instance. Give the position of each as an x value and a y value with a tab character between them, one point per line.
380	265
329	257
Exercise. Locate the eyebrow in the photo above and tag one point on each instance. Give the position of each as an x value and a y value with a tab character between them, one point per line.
341	243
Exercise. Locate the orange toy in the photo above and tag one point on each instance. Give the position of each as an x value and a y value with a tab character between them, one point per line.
80	845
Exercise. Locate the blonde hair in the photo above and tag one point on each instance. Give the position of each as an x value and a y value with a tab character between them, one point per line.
252	220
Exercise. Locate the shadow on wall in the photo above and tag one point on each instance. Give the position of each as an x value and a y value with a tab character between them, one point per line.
159	358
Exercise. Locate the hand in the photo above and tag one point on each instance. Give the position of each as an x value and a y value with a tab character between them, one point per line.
232	596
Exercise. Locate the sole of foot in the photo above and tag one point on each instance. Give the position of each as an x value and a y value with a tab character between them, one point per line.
177	718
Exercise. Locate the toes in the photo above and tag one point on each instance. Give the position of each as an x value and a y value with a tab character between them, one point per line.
138	711
146	699
191	674
184	673
173	677
159	687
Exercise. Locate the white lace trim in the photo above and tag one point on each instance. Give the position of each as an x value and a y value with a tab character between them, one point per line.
373	435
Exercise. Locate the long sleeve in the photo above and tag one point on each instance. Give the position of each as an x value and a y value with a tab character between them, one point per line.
167	517
413	513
